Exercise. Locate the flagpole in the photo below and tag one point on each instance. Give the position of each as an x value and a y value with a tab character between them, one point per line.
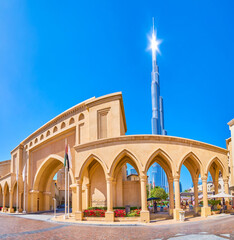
68	194
24	196
65	216
17	201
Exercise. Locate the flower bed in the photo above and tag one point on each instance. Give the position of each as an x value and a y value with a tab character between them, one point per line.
94	213
118	213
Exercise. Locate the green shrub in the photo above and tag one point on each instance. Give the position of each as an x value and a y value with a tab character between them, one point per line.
97	208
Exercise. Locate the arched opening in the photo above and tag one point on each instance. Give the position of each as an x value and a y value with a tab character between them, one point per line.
189	175
94	190
127	191
49	183
1	197
126	181
14	202
7	197
41	137
160	185
215	181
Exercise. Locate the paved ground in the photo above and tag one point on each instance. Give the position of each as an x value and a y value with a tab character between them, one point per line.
12	227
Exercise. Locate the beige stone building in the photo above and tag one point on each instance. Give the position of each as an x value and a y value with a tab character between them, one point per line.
95	130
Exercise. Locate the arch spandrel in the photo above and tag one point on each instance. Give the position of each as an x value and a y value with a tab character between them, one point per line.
127	157
220	165
164	160
86	163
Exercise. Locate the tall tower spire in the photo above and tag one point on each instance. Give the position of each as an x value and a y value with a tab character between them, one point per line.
157	100
155	86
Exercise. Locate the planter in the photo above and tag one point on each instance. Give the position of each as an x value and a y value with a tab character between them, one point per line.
215	212
94	218
127	219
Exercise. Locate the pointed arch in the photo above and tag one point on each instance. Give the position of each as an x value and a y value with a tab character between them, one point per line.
55	129
52	160
163	159
71	121
87	162
5	187
63	125
130	158
219	163
195	165
81	117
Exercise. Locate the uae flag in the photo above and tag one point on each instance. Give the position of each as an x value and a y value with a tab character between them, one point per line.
66	159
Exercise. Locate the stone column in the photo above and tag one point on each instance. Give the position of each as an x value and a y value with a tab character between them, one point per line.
11	209
79	213
114	194
216	186
195	185
3	201
177	198
47	201
145	215
205	210
34	194
87	195
20	202
109	216
171	196
226	189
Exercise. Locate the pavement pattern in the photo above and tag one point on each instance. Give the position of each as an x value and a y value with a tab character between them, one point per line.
40	227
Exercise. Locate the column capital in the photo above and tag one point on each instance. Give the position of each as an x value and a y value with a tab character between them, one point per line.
47	193
170	180
225	180
195	180
79	182
109	179
87	185
204	179
143	178
176	178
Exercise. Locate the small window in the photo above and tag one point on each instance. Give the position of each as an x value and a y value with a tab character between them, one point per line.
63	125
81	117
71	121
30	144
42	136
55	129
48	133
36	140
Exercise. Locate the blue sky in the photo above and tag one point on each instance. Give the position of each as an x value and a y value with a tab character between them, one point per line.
55	54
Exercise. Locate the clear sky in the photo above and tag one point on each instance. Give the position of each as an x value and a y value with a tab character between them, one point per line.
55	54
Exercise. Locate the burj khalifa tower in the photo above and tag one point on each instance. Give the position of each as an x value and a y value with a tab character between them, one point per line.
157	100
158	175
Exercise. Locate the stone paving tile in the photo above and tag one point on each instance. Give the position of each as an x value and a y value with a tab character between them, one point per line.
12	227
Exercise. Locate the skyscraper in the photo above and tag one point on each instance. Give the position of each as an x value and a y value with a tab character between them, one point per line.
157	110
157	100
